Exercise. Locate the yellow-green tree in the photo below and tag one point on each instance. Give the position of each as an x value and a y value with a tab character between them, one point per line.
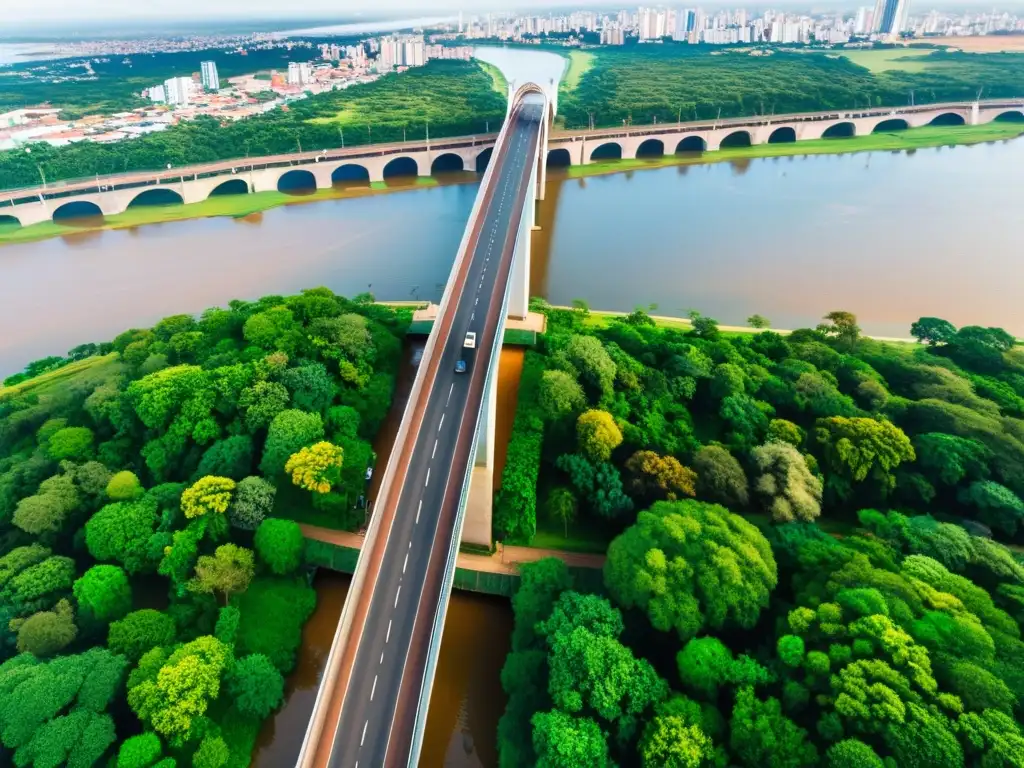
228	570
209	494
316	468
598	434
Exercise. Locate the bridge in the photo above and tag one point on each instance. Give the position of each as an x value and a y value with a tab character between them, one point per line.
110	195
371	708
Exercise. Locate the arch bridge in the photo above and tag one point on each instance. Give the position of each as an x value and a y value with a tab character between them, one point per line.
371	708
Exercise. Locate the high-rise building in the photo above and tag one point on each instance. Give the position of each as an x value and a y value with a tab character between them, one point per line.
178	90
299	73
891	16
208	71
157	94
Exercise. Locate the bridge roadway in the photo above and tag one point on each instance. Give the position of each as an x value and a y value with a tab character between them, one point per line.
385	679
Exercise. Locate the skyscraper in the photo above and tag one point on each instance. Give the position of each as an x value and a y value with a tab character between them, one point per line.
178	90
211	81
890	16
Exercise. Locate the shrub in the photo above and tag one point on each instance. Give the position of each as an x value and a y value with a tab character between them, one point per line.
279	544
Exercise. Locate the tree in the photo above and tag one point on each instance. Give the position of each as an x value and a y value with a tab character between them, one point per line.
540	585
932	331
782	431
124	486
598	434
600	485
255	686
213	752
843	326
669	742
47	510
588	356
316	468
720	478
311	387
992	736
71	443
704	327
688	564
140	631
758	321
38	586
858	447
559	395
980	689
289	432
103	594
762	736
785	483
995	505
47	632
139	751
279	544
746	419
254	499
274	329
852	753
207	496
563	741
231	457
705	664
981	349
262	402
949	459
660	477
562	507
228	570
173	693
727	379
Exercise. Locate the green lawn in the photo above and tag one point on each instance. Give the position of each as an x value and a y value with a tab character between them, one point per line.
893	59
500	83
579	63
551	535
93	370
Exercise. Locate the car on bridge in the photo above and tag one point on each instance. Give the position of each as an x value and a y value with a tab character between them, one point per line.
468	347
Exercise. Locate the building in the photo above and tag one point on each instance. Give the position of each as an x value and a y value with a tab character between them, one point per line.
178	91
210	79
299	73
157	94
890	16
401	51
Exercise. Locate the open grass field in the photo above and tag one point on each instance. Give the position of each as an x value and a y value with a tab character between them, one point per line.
901	59
500	83
579	63
92	369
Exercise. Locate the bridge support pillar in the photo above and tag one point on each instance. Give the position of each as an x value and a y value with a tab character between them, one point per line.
476	529
975	114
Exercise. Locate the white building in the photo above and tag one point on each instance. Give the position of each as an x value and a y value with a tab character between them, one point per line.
178	90
158	94
211	81
299	73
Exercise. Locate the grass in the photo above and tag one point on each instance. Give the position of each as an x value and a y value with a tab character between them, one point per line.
500	83
913	138
96	367
579	63
551	535
892	59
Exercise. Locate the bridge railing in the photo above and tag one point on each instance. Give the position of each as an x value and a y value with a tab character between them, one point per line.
314	732
441	613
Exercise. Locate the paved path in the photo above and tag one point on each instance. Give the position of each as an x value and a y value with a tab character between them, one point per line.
504	560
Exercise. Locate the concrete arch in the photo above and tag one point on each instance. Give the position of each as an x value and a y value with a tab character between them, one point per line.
296	182
559	158
784	135
890	124
483	160
402	166
692	144
651	148
77	209
6	220
844	130
1012	116
230	187
609	151
350	174
737	139
155	197
948	118
449	162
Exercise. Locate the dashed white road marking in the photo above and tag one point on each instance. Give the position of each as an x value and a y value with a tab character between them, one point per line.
406	562
382	657
364	733
428	478
435	449
418	510
397	594
388	638
450	389
442	421
374	689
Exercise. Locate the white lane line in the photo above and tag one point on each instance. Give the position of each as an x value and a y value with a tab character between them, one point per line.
361	740
470	320
374	689
435	449
388	638
406	562
428	478
450	389
478	298
397	594
382	657
418	510
442	419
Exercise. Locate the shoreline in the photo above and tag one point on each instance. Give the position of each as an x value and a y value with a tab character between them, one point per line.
243	206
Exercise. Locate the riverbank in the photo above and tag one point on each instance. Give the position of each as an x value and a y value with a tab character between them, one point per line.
896	141
243	206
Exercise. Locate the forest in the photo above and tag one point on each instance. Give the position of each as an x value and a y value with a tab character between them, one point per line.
152	577
665	83
813	546
453	98
118	81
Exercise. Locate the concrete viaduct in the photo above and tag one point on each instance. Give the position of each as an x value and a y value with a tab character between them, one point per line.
110	195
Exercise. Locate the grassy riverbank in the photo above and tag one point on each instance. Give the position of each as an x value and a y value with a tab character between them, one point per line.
241	206
912	139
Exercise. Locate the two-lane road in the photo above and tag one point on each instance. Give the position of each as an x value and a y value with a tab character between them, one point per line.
375	726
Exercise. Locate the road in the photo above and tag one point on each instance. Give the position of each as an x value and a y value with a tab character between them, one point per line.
378	712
